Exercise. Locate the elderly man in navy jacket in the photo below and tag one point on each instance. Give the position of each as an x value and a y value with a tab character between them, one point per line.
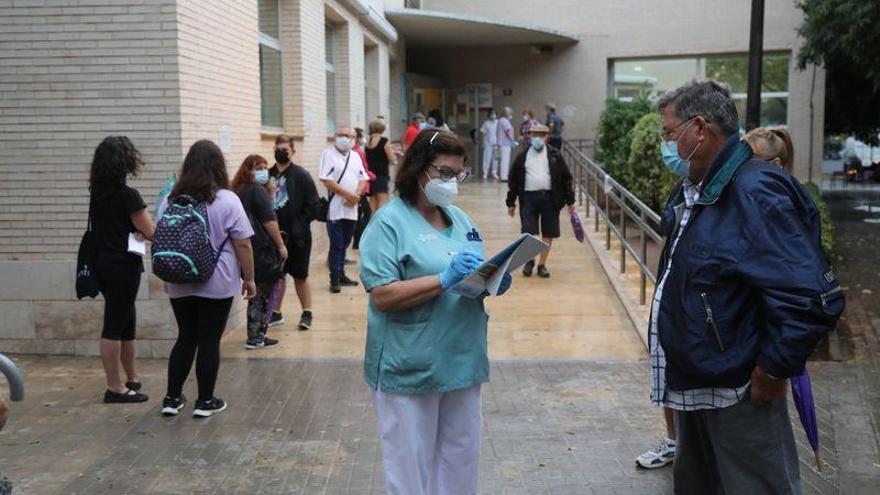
744	295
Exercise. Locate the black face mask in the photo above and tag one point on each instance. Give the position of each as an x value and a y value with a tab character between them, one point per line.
282	156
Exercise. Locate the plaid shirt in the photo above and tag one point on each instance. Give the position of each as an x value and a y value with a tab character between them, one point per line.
683	400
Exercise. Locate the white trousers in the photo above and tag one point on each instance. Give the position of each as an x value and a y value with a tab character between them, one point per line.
431	442
488	161
505	162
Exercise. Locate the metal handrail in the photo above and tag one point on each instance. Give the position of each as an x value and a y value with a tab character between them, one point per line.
591	179
13	376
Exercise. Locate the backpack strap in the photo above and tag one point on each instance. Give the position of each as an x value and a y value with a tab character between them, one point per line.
339	180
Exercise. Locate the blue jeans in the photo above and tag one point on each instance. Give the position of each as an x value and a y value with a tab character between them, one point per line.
340	233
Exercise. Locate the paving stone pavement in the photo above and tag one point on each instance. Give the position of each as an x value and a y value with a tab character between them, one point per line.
307	426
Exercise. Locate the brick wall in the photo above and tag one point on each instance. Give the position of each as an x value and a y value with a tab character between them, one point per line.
71	73
166	73
220	75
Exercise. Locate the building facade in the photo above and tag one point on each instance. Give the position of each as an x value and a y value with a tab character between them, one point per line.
166	73
169	72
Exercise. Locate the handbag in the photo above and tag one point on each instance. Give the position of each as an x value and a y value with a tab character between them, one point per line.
86	278
323	208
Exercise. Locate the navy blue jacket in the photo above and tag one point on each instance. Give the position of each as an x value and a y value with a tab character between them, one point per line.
749	283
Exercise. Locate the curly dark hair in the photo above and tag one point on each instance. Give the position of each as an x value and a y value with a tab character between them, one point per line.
427	146
203	173
115	159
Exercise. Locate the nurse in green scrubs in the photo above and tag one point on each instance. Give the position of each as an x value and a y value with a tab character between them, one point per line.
426	346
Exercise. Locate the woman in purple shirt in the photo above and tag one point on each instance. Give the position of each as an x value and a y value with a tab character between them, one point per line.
202	309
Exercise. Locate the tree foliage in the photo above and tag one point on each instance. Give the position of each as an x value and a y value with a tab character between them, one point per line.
613	135
843	36
645	175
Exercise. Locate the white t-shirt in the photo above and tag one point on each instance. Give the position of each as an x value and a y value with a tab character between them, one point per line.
538	170
489	130
332	164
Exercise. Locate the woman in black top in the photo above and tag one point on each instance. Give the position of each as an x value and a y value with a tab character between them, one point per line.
252	185
117	211
380	156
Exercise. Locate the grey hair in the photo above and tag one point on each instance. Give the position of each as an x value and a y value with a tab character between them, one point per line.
708	98
508	111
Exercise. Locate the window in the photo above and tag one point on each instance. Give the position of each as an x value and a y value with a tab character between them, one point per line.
653	77
271	110
330	70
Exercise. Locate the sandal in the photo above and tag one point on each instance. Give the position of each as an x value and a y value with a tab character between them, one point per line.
127	397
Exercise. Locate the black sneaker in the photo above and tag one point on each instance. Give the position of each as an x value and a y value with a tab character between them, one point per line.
127	397
269	342
334	284
528	267
277	319
543	272
173	405
208	408
305	321
252	344
347	282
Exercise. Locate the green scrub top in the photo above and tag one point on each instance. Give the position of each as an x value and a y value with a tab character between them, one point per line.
439	345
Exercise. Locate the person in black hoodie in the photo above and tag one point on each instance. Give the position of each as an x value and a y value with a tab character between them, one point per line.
296	199
542	183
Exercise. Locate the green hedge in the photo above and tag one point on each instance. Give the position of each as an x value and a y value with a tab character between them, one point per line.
645	175
613	136
827	223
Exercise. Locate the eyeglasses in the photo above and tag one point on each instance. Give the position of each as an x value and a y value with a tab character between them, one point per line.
448	174
664	135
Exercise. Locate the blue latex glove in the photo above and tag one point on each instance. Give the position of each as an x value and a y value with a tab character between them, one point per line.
461	266
506	280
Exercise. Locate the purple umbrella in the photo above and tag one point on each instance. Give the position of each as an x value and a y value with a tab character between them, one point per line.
577	226
274	297
802	393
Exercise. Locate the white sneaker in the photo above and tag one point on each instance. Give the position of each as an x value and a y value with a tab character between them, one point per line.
663	455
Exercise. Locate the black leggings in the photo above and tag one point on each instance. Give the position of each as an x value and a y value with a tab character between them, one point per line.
119	283
200	323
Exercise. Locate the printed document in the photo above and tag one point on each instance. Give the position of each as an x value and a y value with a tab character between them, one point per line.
487	278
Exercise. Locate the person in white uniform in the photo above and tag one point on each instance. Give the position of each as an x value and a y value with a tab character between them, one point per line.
506	143
489	130
426	354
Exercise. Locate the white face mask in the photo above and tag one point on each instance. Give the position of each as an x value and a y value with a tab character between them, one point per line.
441	192
343	143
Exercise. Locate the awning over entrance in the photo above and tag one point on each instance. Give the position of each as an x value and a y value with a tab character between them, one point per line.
433	29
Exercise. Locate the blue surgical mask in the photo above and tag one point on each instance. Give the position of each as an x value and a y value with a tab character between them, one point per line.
441	192
343	143
537	143
261	177
673	161
676	164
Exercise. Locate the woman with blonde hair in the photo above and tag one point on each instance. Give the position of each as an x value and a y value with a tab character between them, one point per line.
380	157
772	144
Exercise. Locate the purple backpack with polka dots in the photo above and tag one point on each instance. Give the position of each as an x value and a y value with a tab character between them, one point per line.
182	252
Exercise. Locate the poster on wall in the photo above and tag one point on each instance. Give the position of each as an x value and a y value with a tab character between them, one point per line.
225	138
484	94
